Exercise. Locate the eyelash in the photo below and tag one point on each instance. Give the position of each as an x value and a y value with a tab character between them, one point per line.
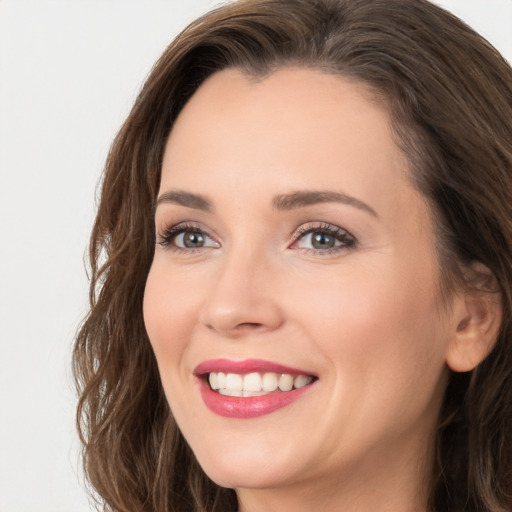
348	241
166	238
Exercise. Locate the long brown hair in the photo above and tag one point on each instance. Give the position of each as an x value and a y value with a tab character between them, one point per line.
449	94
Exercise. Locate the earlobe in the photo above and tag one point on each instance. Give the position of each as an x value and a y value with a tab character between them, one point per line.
476	324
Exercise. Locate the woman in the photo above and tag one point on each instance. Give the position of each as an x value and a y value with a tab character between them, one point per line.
302	269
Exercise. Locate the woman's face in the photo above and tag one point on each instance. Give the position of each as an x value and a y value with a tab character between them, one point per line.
292	251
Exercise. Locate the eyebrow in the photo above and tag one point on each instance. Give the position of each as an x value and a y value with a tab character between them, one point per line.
306	198
187	199
291	201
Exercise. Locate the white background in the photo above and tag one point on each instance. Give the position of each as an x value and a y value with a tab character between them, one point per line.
69	72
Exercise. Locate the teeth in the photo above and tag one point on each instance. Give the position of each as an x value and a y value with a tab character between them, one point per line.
285	382
217	380
269	382
255	384
252	382
301	381
213	380
234	382
253	393
230	392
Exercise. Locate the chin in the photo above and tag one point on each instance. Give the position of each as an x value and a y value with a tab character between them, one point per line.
239	469
236	478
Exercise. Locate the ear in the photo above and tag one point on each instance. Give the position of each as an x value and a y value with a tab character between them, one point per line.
476	320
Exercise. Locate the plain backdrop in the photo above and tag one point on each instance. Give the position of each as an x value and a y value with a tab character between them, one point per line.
69	72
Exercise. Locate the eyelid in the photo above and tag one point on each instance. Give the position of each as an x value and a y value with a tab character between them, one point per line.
170	232
348	240
344	240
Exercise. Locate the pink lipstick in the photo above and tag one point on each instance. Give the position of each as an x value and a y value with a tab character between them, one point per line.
250	388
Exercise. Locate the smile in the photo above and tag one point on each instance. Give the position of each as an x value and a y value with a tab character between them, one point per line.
255	384
250	388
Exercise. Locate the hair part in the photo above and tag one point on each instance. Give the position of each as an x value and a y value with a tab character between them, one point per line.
449	95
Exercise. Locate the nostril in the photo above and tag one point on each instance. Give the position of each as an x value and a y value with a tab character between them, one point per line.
249	326
241	327
236	315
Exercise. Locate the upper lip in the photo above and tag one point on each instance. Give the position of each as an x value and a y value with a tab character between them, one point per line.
246	366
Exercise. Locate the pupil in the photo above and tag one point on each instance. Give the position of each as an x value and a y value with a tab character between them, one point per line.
321	241
193	240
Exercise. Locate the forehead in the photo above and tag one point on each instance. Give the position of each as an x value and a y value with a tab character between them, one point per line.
295	129
313	100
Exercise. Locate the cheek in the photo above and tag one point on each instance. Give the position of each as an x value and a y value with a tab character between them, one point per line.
170	316
169	313
379	331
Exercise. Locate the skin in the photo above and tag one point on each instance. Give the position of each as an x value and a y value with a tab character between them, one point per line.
366	318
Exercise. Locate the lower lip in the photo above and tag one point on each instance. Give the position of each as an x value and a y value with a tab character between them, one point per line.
249	407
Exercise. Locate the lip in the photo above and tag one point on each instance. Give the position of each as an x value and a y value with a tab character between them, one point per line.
247	366
248	407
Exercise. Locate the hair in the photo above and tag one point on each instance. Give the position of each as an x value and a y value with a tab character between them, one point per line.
449	96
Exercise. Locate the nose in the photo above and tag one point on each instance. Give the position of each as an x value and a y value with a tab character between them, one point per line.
242	296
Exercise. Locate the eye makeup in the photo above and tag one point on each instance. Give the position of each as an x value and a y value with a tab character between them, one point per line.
313	238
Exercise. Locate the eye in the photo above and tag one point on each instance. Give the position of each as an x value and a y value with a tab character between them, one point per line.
186	238
324	238
190	240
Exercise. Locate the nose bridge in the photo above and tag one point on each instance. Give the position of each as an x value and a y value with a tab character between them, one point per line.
241	295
